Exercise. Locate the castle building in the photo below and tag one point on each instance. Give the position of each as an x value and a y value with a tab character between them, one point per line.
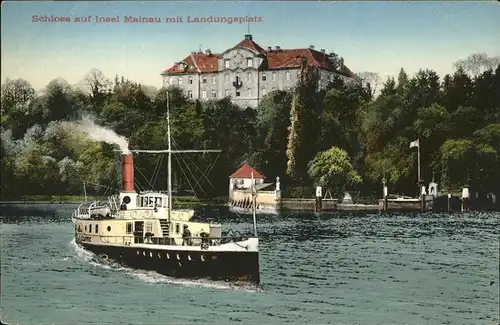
247	72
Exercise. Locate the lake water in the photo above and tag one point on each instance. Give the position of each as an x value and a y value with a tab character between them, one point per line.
318	269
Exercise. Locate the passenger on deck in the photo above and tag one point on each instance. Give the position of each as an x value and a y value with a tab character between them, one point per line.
186	236
204	237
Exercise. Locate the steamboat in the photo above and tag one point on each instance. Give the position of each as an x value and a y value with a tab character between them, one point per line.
142	230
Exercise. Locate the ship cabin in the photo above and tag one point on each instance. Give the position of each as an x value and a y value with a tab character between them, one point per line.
142	219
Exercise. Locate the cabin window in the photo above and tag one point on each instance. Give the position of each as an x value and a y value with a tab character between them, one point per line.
96	229
177	228
90	228
128	227
109	228
158	201
149	227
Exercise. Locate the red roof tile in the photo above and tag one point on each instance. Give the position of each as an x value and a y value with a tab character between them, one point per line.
196	63
251	45
245	171
287	58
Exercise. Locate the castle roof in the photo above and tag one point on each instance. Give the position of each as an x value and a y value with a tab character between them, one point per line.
275	59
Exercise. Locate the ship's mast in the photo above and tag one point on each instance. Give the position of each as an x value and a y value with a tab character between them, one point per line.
169	160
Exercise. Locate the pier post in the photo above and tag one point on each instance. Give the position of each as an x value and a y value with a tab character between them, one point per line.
465	199
449	202
422	199
386	203
319	204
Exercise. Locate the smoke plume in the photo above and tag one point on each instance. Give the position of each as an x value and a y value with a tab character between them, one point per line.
99	133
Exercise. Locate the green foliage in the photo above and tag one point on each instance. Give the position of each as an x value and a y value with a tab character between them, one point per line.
303	121
457	121
332	169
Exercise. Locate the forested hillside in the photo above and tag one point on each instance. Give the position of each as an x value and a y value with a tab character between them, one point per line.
341	137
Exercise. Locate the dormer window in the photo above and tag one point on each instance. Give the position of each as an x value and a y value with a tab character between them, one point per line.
250	62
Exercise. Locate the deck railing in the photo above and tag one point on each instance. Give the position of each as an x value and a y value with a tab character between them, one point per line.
205	242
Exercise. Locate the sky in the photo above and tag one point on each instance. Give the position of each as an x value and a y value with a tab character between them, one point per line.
371	36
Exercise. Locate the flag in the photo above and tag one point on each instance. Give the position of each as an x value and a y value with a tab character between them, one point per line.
414	143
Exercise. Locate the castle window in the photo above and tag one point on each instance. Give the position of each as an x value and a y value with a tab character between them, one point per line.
96	229
226	77
180	80
128	228
237	93
214	79
190	80
109	228
264	77
226	64
274	76
249	92
226	92
249	76
190	94
287	75
204	80
204	94
250	62
214	94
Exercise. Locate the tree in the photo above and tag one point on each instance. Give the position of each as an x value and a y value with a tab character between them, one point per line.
372	79
99	87
17	106
272	123
478	63
302	135
332	169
